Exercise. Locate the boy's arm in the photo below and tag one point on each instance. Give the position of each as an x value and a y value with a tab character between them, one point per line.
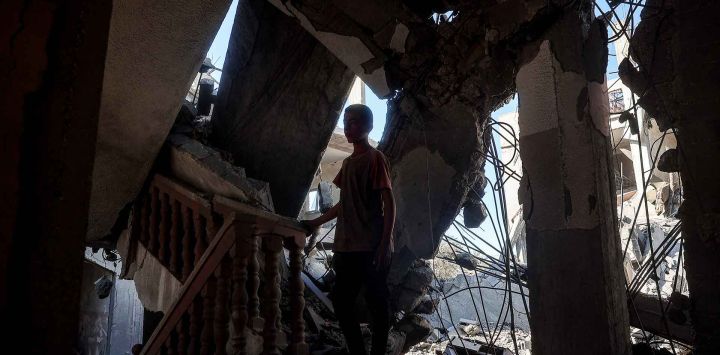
313	224
331	214
382	258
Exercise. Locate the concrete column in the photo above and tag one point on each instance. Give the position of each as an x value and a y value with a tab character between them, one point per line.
575	265
53	70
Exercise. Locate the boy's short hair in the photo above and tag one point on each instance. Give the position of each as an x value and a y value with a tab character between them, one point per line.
363	112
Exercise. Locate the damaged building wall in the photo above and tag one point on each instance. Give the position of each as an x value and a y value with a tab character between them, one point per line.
279	101
52	54
151	61
676	49
568	193
444	79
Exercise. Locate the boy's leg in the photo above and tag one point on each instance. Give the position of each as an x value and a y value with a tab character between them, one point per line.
378	299
347	286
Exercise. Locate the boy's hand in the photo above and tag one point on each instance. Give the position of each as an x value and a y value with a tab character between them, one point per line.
312	231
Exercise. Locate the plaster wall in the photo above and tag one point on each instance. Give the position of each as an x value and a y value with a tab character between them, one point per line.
155	47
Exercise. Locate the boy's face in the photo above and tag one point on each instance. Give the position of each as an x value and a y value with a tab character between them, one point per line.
356	129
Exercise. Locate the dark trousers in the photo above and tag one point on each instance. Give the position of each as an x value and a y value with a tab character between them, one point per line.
353	270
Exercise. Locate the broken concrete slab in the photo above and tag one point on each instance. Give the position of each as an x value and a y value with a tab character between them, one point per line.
151	60
203	168
275	113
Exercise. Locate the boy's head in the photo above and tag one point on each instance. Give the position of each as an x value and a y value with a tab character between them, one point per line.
357	122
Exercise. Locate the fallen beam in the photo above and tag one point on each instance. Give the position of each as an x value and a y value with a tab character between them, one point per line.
646	314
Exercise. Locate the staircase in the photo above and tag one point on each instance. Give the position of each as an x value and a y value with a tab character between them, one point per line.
212	246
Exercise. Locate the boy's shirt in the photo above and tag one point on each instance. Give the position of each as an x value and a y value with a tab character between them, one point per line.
360	218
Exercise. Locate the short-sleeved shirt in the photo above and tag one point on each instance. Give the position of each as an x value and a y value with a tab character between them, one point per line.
361	180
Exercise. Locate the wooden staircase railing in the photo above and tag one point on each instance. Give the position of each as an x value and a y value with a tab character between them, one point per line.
219	301
175	225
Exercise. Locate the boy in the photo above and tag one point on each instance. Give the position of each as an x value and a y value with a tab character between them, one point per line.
363	236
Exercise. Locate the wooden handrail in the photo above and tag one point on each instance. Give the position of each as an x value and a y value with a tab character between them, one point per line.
225	280
209	262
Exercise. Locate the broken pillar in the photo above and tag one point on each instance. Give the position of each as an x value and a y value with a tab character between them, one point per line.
279	100
53	56
676	49
575	274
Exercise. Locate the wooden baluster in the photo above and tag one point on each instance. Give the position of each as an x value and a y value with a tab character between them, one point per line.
195	325
239	294
297	343
145	219
187	243
154	219
174	236
206	337
255	320
210	229
163	232
199	239
170	343
221	306
182	331
272	246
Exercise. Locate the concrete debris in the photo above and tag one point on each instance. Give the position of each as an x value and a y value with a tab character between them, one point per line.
320	272
467	302
416	329
466	260
471	329
668	161
427	305
409	293
474	215
205	169
502	344
396	343
469	347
